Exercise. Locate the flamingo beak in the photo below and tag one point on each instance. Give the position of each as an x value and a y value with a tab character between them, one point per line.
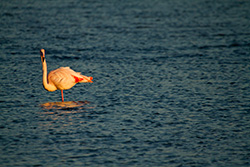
42	54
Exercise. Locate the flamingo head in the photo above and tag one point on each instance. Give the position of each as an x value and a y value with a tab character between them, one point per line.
42	54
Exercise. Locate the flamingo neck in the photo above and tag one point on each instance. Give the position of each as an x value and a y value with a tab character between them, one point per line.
48	86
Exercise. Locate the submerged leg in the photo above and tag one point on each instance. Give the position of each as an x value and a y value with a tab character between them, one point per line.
62	96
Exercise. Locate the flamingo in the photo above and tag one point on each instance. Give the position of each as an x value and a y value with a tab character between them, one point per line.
62	78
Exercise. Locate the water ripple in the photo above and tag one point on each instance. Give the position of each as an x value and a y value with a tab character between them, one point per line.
171	83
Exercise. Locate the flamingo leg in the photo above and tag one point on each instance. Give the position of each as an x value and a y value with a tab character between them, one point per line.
62	96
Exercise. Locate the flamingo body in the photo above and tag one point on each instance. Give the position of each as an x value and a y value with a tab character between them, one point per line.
65	78
62	78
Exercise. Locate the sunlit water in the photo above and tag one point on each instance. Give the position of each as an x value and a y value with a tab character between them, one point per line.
171	83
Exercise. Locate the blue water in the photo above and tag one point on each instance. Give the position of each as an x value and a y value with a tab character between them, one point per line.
171	83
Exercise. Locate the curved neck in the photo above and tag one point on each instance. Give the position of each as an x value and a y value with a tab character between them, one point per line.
48	86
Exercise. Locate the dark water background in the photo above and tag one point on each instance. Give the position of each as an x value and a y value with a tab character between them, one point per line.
171	83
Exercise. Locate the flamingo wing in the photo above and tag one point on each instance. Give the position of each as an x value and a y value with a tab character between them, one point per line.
66	78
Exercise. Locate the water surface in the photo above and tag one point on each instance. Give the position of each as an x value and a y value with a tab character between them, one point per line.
171	83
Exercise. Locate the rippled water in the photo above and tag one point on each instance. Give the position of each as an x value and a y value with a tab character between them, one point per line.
171	83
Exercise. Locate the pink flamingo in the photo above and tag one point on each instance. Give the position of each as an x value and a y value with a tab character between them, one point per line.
62	78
